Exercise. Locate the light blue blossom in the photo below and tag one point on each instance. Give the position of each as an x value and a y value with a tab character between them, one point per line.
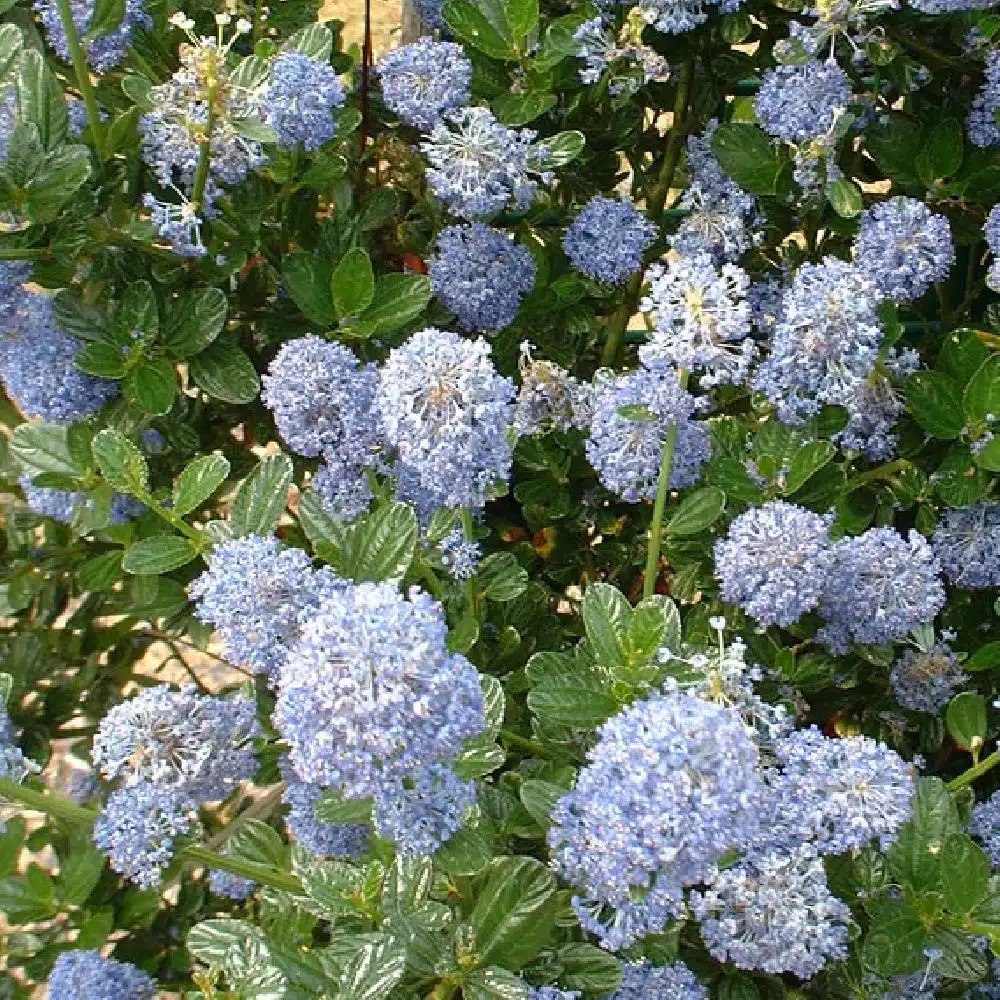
645	981
370	693
300	101
345	489
991	230
966	542
905	247
337	840
62	505
235	887
87	975
981	125
423	80
701	319
445	409
459	555
799	103
881	585
631	417
103	51
984	825
774	561
924	680
607	239
552	993
670	786
621	54
481	275
676	17
773	913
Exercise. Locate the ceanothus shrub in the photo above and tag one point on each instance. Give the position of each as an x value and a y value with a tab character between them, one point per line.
512	518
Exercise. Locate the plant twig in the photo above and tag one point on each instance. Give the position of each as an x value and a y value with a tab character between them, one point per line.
82	72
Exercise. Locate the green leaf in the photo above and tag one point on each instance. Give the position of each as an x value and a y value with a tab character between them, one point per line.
158	554
982	395
606	616
562	148
965	873
201	315
121	463
519	109
152	386
944	148
11	44
260	498
513	917
198	481
501	577
845	197
99	572
259	844
43	448
101	359
522	16
24	902
934	401
745	153
588	968
61	175
79	873
106	17
915	856
698	511
213	941
894	944
314	40
469	24
655	623
985	658
40	99
581	701
374	971
307	280
139	90
380	546
320	528
469	851
225	372
958	480
988	457
353	283
965	718
333	808
399	299
538	797
962	353
494	984
378	208
806	462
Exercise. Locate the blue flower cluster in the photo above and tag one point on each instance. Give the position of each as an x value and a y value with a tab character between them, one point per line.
551	993
802	103
622	55
481	275
774	561
607	239
300	101
701	319
235	887
924	680
169	750
459	555
423	80
984	825
480	167
445	410
825	341
670	786
881	585
103	51
991	230
338	840
254	592
369	697
966	543
676	17
36	360
982	127
774	913
62	505
645	981
905	247
632	415
88	975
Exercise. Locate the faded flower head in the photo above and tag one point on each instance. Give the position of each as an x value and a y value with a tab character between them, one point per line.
966	542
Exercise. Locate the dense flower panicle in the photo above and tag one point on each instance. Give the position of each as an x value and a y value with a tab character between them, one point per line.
321	397
984	825
481	275
773	913
825	341
645	981
195	745
423	80
300	101
88	975
835	795
774	561
103	51
924	680
671	785
420	813
253	592
430	14
36	362
625	447
905	247
459	555
549	398
235	887
552	993
370	693
991	230
344	489
701	320
621	54
336	840
607	239
479	167
966	542
982	127
881	585
445	409
801	103
61	505
676	17
137	827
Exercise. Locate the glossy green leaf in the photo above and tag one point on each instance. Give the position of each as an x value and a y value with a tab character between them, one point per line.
158	554
261	497
198	481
